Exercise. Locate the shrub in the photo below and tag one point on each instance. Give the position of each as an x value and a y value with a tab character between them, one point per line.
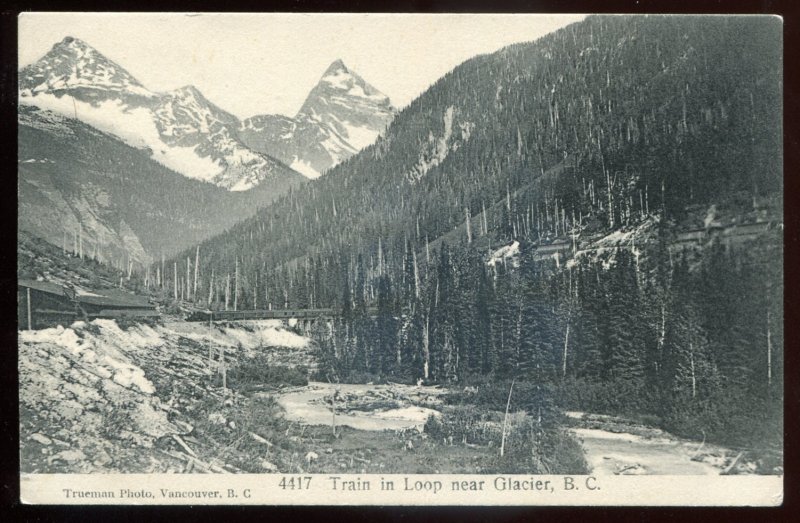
533	449
257	374
464	424
530	446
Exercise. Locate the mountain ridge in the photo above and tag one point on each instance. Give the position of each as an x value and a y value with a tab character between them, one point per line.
187	132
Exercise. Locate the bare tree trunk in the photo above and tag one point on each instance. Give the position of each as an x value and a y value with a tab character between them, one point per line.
416	275
769	352
175	267
505	421
333	413
662	334
427	250
227	290
211	288
610	200
691	361
188	276
566	344
28	305
236	287
426	347
196	271
255	294
469	226
380	258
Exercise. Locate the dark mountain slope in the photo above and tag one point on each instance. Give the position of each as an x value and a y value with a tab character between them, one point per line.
633	116
77	181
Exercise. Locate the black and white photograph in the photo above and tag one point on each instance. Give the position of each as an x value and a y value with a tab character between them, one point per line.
400	258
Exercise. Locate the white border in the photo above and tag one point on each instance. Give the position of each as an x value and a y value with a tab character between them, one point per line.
265	489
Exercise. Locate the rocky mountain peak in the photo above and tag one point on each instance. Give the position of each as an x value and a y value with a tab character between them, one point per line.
343	87
336	65
74	64
341	115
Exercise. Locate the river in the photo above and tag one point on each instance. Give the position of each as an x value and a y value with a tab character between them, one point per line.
399	407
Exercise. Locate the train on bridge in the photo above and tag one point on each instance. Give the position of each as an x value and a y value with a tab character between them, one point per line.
305	320
266	314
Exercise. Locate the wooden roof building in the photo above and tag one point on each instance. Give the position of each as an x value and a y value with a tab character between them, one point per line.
43	304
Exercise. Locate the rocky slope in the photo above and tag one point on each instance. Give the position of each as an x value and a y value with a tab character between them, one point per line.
95	397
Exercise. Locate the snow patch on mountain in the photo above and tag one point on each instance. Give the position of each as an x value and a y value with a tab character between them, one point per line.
181	129
339	79
505	254
605	249
73	64
436	149
134	126
304	168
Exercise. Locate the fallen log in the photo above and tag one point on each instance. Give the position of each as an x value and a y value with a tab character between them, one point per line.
696	453
728	469
195	463
625	469
260	439
207	467
184	445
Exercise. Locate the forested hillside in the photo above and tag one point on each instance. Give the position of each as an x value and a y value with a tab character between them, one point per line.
636	128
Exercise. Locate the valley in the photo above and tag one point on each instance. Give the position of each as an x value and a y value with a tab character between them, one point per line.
562	257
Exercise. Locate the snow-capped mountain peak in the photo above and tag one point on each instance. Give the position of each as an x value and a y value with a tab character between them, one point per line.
341	115
187	107
72	64
343	87
181	129
336	65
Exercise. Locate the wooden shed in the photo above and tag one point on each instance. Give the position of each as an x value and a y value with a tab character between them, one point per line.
43	304
110	303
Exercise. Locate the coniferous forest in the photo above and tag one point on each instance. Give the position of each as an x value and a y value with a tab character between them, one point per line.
596	215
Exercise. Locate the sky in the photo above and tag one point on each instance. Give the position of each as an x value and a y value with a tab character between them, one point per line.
267	63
